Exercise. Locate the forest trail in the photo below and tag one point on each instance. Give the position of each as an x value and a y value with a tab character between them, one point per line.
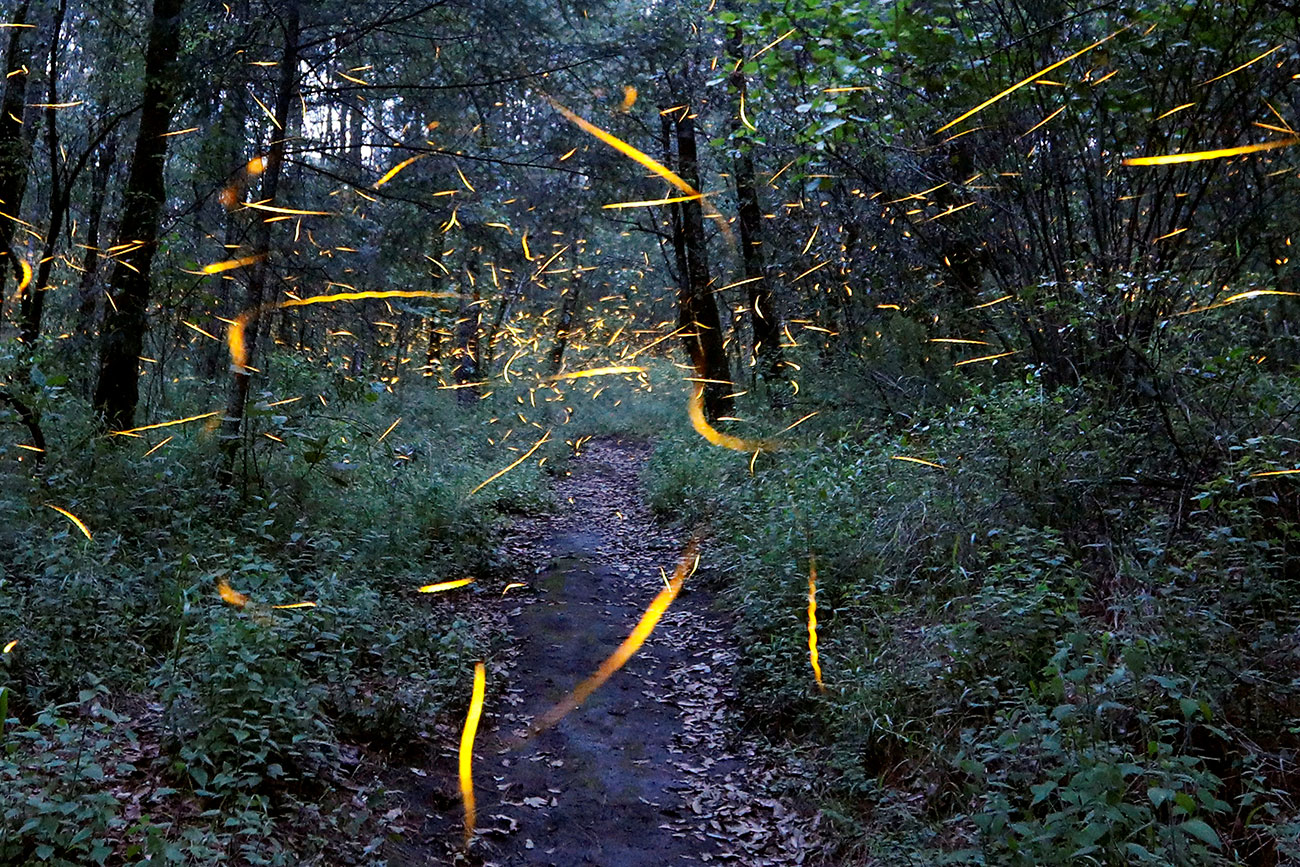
648	772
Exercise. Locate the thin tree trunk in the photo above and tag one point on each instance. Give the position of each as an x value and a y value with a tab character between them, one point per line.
234	418
763	313
87	292
466	370
122	338
15	146
33	303
696	306
564	325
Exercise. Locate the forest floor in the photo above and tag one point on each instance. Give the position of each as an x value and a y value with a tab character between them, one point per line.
653	769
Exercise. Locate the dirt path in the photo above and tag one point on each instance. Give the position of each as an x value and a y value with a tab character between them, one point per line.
644	773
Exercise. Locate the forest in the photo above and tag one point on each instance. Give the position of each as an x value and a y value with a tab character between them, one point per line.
759	432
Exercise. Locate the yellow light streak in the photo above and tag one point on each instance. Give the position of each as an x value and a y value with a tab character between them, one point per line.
921	461
385	434
162	424
960	340
180	132
800	421
270	114
1175	110
813	657
29	448
1042	122
626	650
160	445
649	202
351	78
1275	473
1239	68
392	173
991	303
1170	234
749	126
8	648
985	358
526	455
235	331
464	180
230	595
695	409
773	44
26	278
1221	153
446	585
596	371
273	209
200	330
1039	74
1241	296
80	524
293	605
511	586
626	149
232	264
467	749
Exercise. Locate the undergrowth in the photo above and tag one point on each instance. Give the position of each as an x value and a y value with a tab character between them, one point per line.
1067	637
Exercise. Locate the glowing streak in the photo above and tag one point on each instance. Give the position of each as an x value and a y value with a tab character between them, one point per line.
160	445
657	342
701	424
991	303
958	340
293	605
986	358
446	585
773	44
232	264
392	173
180	132
28	448
596	371
385	434
1030	80
1239	68
465	180
161	424
235	332
26	278
627	150
800	421
627	649
8	648
812	622
467	748
80	524
1175	110
744	119
569	154
524	242
1252	475
1197	156
259	206
920	195
649	202
263	107
351	78
511	586
1042	122
1171	234
200	330
1240	296
918	461
526	455
230	595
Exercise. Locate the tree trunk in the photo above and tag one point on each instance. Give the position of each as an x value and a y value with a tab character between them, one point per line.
15	147
122	338
465	354
33	302
564	325
258	272
696	306
763	314
87	292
